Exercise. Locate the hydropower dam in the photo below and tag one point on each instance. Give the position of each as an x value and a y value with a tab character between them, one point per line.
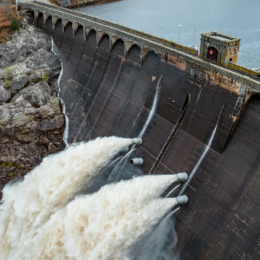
109	81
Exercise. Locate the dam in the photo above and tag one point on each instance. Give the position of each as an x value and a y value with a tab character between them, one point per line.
110	74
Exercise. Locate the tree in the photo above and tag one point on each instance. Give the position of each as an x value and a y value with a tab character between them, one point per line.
14	24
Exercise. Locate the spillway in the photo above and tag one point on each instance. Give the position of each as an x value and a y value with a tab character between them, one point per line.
107	93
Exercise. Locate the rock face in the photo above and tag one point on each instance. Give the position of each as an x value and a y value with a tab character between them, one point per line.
31	118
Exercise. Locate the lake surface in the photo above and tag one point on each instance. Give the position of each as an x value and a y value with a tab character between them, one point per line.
237	18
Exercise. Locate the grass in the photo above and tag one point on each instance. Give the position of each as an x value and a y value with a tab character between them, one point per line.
8	84
44	77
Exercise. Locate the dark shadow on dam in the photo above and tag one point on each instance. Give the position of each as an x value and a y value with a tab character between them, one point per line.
107	93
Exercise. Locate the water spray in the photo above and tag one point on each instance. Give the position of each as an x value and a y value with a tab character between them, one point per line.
66	130
170	192
202	156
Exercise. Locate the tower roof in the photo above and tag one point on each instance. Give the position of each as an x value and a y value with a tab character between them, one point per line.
221	37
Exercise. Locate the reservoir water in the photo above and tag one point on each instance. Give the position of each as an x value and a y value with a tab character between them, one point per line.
237	18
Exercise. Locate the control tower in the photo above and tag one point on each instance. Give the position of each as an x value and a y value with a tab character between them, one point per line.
219	47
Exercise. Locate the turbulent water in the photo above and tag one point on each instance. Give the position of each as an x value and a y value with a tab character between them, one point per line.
47	215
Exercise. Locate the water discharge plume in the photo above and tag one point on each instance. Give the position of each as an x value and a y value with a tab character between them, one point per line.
50	186
121	171
105	225
202	156
159	244
102	178
66	130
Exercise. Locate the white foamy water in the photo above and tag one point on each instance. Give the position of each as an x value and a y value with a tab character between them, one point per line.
28	205
66	130
104	225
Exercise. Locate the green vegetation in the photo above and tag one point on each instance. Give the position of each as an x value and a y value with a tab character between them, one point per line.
7	164
8	84
31	119
19	167
44	77
8	72
14	24
13	175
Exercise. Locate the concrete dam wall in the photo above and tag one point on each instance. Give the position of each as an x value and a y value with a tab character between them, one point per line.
110	92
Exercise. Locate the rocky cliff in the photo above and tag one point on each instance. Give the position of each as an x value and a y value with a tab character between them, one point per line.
31	118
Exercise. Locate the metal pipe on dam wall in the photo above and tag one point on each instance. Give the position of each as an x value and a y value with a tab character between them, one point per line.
107	94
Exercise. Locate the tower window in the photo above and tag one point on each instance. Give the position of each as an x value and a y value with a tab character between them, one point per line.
212	54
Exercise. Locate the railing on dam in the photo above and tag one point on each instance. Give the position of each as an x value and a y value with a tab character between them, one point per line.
244	69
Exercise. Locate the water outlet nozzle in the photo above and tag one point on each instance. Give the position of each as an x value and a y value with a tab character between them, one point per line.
182	199
137	140
182	176
125	149
136	161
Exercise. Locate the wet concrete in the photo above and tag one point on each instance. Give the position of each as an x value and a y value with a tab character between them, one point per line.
108	94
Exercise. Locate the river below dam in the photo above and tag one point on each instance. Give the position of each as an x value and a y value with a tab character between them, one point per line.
237	18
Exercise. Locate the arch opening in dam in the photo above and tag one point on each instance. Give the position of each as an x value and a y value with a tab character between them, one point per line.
109	83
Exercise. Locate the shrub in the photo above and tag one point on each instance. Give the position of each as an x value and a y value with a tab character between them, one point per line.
44	77
14	24
8	84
